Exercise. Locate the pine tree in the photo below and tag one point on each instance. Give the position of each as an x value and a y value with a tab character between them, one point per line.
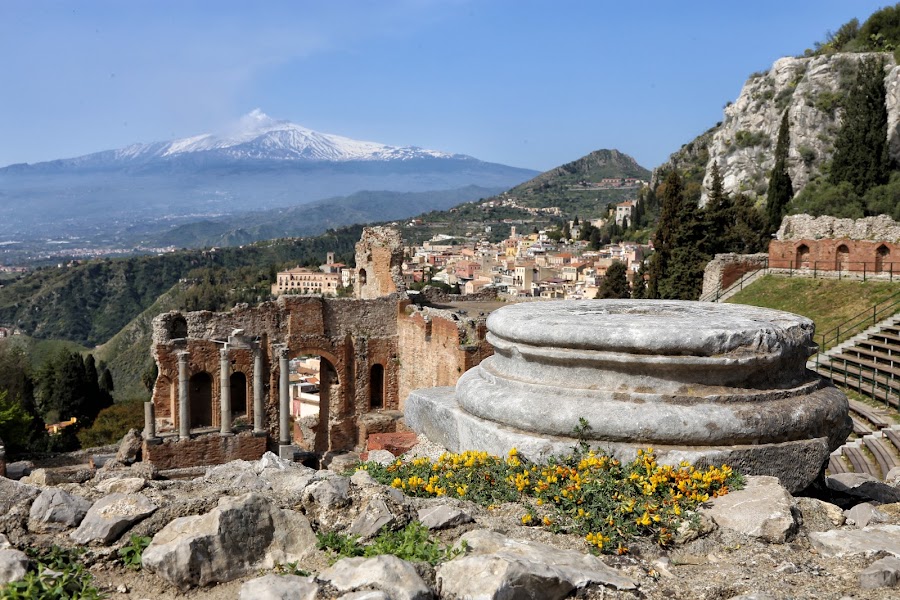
615	283
860	149
781	189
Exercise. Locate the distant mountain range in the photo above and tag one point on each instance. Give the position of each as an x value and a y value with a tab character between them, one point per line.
260	164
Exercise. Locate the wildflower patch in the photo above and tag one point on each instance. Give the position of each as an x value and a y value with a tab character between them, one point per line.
589	493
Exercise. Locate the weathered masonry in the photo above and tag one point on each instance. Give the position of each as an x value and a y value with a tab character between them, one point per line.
219	369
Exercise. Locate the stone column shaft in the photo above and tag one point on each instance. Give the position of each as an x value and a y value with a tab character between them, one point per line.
224	392
149	420
258	392
284	398
184	406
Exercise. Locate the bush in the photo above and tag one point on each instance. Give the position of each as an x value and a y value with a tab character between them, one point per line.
58	575
112	423
748	139
412	543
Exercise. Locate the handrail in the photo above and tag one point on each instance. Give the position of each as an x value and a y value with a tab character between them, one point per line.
864	318
717	293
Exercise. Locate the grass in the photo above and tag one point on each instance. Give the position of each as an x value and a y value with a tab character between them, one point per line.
827	302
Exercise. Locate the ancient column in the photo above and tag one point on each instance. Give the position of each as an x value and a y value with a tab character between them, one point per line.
184	407
149	421
258	400
224	392
284	397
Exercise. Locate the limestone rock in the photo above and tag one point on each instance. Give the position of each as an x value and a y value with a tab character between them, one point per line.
395	577
819	515
363	479
129	450
893	476
850	542
342	462
374	515
687	532
14	493
240	535
864	514
56	509
499	567
13	565
279	587
762	510
382	457
4	542
881	573
863	485
324	501
366	595
443	516
110	516
121	485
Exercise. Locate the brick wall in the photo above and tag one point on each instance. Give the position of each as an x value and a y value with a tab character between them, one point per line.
832	254
208	449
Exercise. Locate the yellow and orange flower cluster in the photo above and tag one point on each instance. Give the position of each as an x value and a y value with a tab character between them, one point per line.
608	501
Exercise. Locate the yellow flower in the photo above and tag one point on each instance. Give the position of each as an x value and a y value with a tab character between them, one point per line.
526	519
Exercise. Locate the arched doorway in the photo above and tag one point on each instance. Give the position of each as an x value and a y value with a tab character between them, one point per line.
882	257
201	400
238	383
842	258
362	277
179	328
376	387
802	261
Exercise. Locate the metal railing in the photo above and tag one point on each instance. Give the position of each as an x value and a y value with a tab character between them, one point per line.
717	293
858	322
836	267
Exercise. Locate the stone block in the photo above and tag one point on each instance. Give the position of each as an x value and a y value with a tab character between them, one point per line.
395	443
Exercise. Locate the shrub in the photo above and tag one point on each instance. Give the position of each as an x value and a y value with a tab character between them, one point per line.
58	575
132	552
749	139
112	423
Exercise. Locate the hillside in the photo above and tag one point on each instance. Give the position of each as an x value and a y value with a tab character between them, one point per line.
596	166
313	218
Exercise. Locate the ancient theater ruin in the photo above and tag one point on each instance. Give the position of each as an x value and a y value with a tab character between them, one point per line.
223	388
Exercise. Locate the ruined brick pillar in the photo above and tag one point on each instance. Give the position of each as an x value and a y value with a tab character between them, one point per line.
225	392
379	258
184	407
259	408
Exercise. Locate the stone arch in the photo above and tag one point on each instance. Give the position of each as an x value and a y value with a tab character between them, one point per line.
334	393
200	395
238	383
842	258
882	256
361	277
376	386
802	261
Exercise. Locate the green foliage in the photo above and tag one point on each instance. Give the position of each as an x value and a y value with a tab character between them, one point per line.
821	197
339	544
413	543
781	189
59	575
884	199
291	568
750	139
131	553
615	283
828	102
15	422
588	493
112	423
860	150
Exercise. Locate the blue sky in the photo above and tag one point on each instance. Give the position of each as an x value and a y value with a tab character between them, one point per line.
525	83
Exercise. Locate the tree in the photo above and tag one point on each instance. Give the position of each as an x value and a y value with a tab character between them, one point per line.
615	283
639	288
781	189
15	423
566	232
860	149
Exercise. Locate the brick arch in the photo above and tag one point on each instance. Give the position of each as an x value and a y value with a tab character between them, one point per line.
802	257
882	256
842	258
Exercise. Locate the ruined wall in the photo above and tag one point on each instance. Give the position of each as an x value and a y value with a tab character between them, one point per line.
436	347
833	255
725	269
379	259
209	449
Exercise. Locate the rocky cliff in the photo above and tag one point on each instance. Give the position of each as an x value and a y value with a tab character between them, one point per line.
811	89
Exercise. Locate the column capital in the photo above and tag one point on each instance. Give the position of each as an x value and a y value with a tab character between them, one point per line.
282	351
184	356
223	353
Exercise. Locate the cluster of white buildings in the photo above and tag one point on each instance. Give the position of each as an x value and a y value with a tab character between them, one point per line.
521	266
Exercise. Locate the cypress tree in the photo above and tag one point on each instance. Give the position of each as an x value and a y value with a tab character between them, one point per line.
860	149
615	283
781	189
718	215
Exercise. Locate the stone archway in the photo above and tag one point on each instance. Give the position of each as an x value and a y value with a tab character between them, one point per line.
882	257
200	394
802	261
842	258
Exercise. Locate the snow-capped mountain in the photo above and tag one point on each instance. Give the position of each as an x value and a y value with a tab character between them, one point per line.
259	163
257	136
